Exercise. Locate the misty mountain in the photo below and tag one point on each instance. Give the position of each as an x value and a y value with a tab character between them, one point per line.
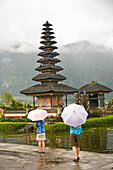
82	62
17	71
85	61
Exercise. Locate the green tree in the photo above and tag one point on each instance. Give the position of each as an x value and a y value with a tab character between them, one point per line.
14	104
109	103
85	100
24	104
1	104
78	98
6	97
112	103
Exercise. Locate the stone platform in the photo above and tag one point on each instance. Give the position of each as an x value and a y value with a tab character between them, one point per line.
26	157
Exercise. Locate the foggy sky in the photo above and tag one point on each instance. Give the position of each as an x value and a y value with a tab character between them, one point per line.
73	20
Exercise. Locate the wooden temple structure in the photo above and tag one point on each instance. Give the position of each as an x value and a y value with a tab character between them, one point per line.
95	92
49	92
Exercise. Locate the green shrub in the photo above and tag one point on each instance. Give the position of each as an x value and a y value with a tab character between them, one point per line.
96	113
60	126
102	121
94	122
17	119
9	126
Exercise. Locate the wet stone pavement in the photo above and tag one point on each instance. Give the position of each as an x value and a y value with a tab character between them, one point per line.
26	157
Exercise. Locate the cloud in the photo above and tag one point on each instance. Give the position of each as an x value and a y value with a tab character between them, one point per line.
22	47
74	20
7	61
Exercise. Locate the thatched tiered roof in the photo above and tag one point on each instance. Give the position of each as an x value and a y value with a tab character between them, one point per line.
48	78
51	88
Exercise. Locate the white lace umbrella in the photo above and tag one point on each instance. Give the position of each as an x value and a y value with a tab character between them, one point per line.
74	115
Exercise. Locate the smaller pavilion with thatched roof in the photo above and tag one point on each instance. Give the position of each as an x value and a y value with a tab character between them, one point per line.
95	92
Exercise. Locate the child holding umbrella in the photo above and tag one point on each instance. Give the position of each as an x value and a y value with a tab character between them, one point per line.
39	115
40	137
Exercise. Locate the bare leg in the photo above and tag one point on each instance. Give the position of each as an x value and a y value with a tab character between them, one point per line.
43	146
74	151
78	150
39	146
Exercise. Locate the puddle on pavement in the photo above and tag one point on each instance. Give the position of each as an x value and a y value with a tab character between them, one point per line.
52	162
44	160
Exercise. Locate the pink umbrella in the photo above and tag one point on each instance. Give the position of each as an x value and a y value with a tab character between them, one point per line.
1	111
37	114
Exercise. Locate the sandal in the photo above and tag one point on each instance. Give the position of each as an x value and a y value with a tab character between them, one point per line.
75	160
78	158
43	152
39	152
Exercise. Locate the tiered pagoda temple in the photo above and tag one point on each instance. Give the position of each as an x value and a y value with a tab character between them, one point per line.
49	91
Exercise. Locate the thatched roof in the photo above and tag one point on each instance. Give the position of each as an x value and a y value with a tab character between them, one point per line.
48	47
48	42
47	24
47	32
48	53
43	89
95	87
47	29
47	59
48	76
49	79
48	37
48	67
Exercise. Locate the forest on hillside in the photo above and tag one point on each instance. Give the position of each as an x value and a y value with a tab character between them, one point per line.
83	62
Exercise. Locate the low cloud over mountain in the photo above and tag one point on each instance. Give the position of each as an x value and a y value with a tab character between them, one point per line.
83	62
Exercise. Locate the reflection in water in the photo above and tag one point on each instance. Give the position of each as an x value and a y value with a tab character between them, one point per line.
23	138
41	160
92	139
96	140
30	137
77	166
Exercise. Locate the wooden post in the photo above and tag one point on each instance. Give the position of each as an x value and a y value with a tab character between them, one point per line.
51	102
98	100
34	102
66	99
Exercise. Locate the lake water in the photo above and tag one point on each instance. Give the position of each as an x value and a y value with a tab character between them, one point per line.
93	139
